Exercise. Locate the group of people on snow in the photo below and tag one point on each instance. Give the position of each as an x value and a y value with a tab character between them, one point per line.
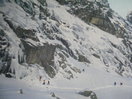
44	81
116	83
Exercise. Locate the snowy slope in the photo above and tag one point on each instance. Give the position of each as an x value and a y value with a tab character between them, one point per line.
76	39
66	89
78	56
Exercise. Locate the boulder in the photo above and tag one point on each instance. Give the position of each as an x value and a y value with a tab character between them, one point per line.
42	55
89	94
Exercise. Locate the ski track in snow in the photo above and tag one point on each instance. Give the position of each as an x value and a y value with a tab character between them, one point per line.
64	90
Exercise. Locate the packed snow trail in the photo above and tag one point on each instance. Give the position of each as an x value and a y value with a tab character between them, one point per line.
12	91
119	92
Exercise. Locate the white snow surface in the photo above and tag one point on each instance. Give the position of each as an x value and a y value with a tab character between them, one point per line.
100	82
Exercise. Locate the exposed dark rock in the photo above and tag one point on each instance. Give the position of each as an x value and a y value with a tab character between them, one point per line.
43	12
42	55
1	1
26	33
62	1
5	58
64	42
21	59
67	45
90	94
69	73
63	64
21	32
83	59
43	2
97	56
9	75
62	61
76	69
129	17
53	95
26	5
2	33
9	23
96	17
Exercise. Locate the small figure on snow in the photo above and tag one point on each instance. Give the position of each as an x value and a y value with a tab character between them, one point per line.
48	82
21	91
43	82
114	83
40	77
121	83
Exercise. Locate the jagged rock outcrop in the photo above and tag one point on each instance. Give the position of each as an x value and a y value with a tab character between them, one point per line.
5	57
129	17
97	12
89	94
41	55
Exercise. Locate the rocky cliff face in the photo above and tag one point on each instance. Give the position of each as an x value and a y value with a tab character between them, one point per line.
129	17
45	35
4	54
97	12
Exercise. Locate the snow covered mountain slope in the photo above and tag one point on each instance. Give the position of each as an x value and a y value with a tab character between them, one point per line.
42	38
46	35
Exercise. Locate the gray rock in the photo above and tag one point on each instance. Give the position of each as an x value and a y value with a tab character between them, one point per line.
5	58
42	55
90	94
129	17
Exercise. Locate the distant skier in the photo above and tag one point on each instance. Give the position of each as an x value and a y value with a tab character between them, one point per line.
40	74
121	83
114	83
43	82
48	82
40	77
21	91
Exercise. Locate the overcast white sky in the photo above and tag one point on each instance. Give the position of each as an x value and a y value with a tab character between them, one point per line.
122	7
